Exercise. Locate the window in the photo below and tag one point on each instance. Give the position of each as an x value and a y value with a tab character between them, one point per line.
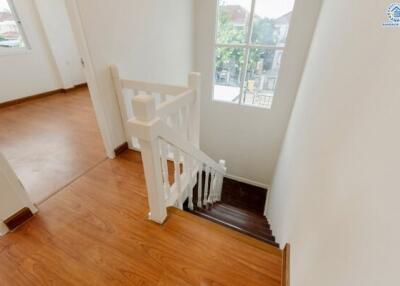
250	39
11	33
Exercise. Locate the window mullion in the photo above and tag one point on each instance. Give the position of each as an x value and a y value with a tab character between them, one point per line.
243	75
247	52
250	28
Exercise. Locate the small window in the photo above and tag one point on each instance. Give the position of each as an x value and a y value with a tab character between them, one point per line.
11	34
250	40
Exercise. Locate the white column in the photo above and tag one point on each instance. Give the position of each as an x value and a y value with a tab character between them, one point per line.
144	107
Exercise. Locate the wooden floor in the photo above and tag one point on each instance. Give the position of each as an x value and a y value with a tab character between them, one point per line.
51	141
96	232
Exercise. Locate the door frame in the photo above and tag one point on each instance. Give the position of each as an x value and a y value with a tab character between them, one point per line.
100	107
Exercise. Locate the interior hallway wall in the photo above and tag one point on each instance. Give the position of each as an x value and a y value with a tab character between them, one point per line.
52	60
33	71
335	192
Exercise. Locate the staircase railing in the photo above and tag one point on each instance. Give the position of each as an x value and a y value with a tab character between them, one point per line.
165	122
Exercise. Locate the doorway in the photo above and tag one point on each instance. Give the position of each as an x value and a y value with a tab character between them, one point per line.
48	123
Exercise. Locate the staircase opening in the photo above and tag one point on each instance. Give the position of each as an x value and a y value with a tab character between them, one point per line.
163	122
241	208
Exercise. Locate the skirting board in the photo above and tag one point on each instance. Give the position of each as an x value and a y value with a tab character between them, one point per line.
121	148
19	218
247	181
41	95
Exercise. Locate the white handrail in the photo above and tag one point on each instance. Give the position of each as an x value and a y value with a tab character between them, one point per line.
173	105
166	122
173	137
153	87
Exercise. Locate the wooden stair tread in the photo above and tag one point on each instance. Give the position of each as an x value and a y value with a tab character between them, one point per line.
254	216
223	222
255	242
242	220
241	208
244	223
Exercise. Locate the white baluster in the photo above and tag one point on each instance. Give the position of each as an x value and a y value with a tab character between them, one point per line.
177	175
164	165
215	180
200	186
220	181
189	163
186	174
213	188
207	190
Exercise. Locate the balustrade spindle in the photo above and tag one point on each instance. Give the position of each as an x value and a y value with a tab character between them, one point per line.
200	186
191	182
212	187
206	185
164	165
177	175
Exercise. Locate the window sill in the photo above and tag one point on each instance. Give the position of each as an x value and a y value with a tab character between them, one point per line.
244	106
14	51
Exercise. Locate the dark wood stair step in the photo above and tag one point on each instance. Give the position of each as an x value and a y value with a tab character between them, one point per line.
222	221
257	217
241	208
243	219
243	195
259	230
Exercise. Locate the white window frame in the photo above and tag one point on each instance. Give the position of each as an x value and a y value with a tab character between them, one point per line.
247	46
13	51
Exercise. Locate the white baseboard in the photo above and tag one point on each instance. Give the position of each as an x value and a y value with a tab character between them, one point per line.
247	181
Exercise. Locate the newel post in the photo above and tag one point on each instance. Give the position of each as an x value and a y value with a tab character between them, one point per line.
194	125
144	108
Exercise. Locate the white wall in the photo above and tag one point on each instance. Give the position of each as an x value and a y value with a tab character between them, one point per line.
249	138
32	72
148	40
54	16
51	63
13	196
335	194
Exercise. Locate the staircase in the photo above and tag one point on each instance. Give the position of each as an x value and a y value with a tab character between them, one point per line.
163	122
241	208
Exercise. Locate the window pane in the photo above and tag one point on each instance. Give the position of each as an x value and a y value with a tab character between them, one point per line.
233	21
271	22
10	36
228	69
261	77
